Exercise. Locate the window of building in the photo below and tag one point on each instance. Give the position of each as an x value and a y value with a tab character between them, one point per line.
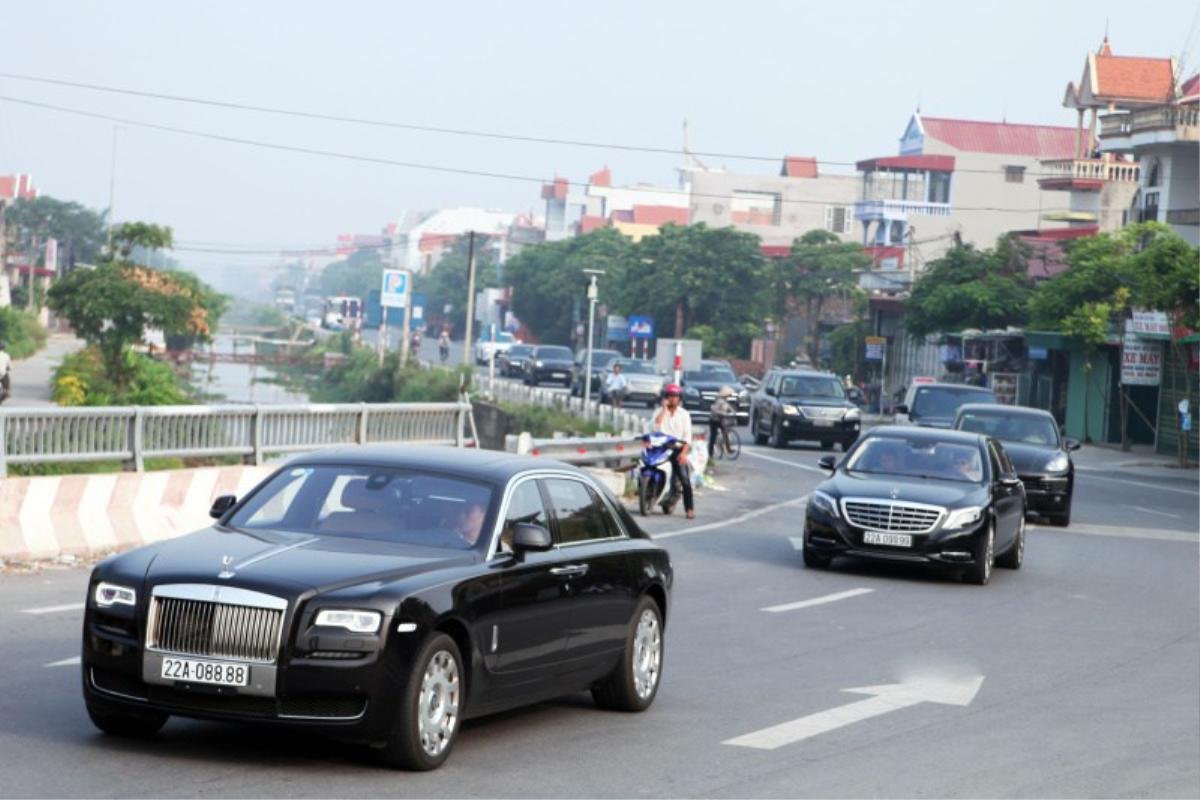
1014	173
1154	173
839	219
1150	207
939	187
755	208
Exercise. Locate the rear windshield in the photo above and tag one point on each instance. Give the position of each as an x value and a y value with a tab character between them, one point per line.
917	459
812	386
561	353
1022	428
636	367
944	401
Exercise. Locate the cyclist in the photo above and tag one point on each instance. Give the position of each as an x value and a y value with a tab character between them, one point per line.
721	415
616	384
5	369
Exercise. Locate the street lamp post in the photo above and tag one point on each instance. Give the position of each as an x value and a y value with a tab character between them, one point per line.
592	291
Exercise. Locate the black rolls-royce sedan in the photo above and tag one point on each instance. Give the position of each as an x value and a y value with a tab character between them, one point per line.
943	498
383	595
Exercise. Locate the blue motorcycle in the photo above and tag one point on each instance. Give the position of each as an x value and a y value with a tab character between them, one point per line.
654	484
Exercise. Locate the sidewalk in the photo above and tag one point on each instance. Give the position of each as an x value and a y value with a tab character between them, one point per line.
31	376
1111	456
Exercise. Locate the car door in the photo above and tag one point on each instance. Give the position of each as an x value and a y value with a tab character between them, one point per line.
528	637
603	593
1008	499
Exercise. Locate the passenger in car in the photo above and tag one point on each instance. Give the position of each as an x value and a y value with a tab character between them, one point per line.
469	523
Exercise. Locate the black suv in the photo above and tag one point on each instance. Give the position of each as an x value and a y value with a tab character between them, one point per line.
547	362
796	404
700	389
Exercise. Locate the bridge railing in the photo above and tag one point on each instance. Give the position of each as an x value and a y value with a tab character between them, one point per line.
132	434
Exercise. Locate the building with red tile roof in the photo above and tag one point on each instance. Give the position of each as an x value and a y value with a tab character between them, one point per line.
17	187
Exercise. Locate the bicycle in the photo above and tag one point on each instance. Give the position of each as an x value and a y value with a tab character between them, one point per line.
728	444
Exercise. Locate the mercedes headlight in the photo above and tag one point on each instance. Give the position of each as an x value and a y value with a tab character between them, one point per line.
962	517
824	502
1060	463
853	415
791	410
539	363
353	620
108	595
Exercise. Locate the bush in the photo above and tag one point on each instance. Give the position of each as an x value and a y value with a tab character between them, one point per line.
22	332
82	380
542	423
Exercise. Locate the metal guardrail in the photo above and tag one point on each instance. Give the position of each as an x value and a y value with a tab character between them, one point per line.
598	450
625	422
135	433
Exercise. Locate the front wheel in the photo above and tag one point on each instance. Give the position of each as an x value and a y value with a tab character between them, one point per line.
733	444
128	724
760	438
633	683
777	441
813	559
645	496
1014	557
430	711
981	571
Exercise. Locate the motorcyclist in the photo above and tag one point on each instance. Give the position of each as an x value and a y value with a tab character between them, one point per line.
615	385
721	414
673	419
5	370
444	345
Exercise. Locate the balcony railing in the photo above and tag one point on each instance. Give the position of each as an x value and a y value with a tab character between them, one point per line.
1094	169
899	209
1150	119
1183	216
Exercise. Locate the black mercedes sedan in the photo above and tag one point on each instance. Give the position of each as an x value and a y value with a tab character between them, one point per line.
1041	455
382	595
547	363
944	498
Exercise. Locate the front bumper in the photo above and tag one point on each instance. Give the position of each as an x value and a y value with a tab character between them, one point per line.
551	374
806	428
1047	494
957	548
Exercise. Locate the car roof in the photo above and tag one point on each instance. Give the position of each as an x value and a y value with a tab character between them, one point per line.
960	386
925	434
488	465
1003	410
803	371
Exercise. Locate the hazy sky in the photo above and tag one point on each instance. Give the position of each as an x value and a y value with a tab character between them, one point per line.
835	80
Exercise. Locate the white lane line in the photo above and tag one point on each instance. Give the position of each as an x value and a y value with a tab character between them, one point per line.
53	609
1094	477
817	601
732	520
797	543
1157	534
1154	511
66	662
785	462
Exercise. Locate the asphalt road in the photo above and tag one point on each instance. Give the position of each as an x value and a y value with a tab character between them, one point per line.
1086	663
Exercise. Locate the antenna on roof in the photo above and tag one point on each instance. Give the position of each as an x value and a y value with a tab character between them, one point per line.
1183	62
689	160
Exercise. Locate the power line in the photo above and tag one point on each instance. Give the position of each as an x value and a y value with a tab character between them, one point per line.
446	169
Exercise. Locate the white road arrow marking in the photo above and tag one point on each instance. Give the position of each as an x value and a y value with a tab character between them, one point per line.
66	662
884	699
818	601
53	609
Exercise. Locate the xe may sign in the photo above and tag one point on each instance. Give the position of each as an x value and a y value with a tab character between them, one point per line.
1141	361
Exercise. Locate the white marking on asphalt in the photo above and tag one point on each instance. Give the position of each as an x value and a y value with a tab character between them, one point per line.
732	520
818	601
797	542
1137	483
53	609
1157	534
885	699
66	662
785	462
1160	513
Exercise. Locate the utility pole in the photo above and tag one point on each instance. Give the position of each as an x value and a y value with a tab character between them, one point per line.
467	350
5	287
592	291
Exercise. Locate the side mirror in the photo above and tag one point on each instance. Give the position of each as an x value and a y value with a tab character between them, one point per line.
1071	444
1010	480
901	409
529	537
221	505
828	462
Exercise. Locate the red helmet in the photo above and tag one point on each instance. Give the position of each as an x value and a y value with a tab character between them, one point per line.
672	389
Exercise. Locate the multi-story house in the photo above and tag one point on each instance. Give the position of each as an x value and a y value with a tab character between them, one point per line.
637	210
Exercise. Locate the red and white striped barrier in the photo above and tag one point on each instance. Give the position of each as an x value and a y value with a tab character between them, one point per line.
45	517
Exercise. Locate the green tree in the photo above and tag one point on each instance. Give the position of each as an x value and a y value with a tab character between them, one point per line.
129	236
80	231
355	276
446	283
969	288
820	268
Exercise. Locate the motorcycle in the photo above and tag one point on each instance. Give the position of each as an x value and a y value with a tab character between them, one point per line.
655	470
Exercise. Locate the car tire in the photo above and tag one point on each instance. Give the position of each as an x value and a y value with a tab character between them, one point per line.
776	439
430	712
127	723
981	571
826	444
1015	555
759	438
813	559
645	497
633	683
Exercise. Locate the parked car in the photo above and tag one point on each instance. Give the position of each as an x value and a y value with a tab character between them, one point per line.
547	363
707	382
801	404
484	347
948	499
1036	447
601	363
934	405
511	363
382	595
645	384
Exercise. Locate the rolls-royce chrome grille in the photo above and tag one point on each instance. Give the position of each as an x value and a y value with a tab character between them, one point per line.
215	622
897	517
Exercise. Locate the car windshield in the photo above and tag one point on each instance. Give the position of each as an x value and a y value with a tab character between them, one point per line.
710	375
944	401
916	458
812	386
1023	428
636	367
554	351
368	502
501	338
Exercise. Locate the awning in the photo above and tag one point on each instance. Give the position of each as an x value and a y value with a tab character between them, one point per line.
1192	338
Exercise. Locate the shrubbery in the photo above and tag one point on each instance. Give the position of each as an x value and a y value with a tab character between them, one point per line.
22	332
82	380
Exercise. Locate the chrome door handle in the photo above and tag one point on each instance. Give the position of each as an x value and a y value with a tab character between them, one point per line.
569	571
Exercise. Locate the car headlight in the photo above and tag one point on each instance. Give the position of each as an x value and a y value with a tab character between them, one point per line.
352	620
692	393
825	503
791	410
853	415
539	364
1060	463
962	517
110	594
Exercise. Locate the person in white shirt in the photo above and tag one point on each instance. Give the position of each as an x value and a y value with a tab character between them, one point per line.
674	420
615	385
5	368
